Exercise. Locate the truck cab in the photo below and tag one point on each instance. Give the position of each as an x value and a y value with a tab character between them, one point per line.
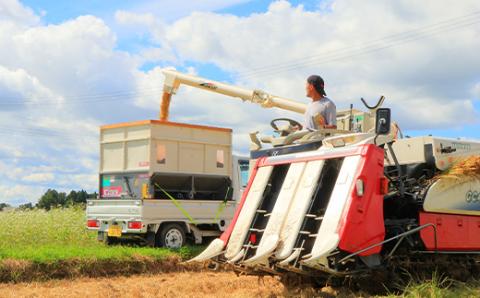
162	182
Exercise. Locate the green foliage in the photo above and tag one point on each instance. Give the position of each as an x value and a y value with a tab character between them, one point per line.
54	199
27	206
51	199
3	205
188	252
436	287
79	197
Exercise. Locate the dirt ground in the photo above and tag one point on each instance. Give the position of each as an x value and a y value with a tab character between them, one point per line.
187	284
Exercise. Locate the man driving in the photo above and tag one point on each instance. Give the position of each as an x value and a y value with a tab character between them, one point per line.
321	112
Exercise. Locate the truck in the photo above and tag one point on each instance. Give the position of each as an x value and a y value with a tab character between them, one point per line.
351	201
163	183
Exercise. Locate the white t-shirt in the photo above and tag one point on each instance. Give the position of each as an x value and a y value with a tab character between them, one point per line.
324	107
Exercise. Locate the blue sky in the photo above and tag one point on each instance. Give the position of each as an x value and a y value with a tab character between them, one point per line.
68	67
56	12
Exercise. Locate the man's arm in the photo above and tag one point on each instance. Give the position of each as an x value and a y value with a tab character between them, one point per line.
331	116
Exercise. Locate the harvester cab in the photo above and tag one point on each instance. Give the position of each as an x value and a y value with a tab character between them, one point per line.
354	127
350	121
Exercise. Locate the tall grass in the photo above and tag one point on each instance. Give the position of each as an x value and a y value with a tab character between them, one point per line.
31	228
440	287
60	234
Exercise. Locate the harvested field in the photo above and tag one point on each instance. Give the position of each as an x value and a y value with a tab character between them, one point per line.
187	284
27	271
215	284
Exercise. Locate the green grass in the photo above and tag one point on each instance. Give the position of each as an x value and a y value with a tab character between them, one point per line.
441	287
60	234
45	253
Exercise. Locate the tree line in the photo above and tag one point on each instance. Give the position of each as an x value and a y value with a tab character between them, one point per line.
55	199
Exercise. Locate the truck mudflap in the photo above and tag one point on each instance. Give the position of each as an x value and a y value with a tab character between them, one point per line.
303	207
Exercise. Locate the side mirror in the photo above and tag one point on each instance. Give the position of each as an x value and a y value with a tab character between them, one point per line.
382	121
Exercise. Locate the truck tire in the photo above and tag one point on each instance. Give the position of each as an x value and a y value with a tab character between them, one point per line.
171	236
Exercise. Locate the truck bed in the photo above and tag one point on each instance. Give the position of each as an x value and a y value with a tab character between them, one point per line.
202	211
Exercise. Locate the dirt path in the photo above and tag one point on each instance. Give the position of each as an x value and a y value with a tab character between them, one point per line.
188	284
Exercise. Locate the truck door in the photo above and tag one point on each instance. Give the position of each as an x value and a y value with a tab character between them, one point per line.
240	176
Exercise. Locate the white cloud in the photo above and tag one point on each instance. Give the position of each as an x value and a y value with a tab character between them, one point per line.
436	67
13	11
19	84
421	112
174	9
76	57
135	19
79	181
60	82
476	91
15	194
39	177
147	24
152	81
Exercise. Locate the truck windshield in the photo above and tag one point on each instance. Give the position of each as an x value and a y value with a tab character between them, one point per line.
115	186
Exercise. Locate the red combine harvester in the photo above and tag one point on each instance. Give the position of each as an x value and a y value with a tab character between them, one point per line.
349	201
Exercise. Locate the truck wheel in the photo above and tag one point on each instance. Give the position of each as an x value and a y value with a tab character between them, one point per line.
172	236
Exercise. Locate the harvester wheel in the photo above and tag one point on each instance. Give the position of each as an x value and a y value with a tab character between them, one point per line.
172	236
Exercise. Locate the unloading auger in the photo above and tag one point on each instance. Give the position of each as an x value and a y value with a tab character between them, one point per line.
173	80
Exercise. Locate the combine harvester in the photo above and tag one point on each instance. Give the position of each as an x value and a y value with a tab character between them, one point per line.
346	201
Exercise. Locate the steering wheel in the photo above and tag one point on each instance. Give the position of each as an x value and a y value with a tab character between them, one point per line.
290	121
